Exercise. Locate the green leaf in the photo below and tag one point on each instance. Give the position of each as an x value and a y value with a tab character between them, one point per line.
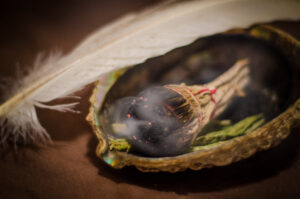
228	132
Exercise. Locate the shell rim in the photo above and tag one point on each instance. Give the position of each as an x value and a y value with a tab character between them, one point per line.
270	134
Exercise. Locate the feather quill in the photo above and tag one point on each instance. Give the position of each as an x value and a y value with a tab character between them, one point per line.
125	42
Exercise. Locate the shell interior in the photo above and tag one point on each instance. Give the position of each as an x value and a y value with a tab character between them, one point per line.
273	89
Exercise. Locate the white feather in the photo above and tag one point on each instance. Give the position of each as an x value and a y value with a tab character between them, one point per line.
128	41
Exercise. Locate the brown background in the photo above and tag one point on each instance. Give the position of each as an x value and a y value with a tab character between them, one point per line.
69	168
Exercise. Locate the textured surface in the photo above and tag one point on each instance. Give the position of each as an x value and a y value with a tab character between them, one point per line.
270	135
70	168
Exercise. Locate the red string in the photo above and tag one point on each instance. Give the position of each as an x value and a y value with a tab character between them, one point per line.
211	92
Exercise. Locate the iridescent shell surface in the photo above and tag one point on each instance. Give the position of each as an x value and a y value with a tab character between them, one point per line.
282	115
